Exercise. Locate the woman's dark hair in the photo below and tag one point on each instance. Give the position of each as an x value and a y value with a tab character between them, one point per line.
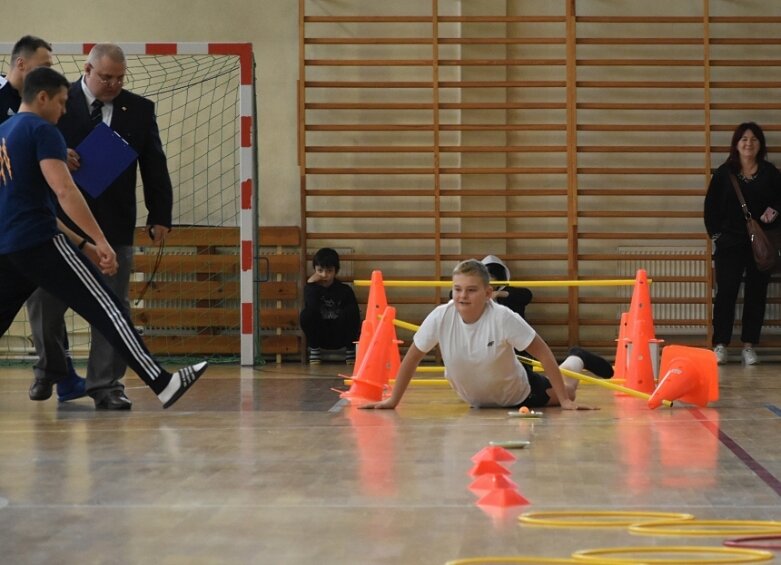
326	257
734	158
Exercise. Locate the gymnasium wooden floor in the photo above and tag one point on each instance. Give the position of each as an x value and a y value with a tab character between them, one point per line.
268	466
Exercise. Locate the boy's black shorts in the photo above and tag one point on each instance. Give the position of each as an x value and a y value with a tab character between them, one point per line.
539	385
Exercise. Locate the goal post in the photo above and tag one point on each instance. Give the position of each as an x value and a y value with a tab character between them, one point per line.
204	95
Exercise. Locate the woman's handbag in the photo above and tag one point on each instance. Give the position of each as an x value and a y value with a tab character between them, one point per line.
765	245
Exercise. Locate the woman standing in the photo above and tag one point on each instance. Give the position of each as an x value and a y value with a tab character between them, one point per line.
760	183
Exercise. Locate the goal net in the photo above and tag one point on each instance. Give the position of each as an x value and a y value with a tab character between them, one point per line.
193	305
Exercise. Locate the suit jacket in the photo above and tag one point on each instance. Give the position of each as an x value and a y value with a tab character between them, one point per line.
134	119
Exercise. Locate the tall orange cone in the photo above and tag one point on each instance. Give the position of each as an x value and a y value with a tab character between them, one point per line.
367	332
619	369
377	301
378	364
690	374
641	353
640	306
640	366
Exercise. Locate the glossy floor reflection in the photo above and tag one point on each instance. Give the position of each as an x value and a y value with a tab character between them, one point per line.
269	466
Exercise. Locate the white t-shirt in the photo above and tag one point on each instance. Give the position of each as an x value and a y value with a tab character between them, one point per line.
480	362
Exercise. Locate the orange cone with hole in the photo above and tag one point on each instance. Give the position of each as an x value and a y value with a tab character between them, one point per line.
640	306
640	331
377	301
690	374
640	367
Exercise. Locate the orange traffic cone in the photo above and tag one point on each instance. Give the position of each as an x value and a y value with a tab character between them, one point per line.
491	481
377	302
640	366
619	370
493	453
367	332
378	363
640	306
486	467
690	375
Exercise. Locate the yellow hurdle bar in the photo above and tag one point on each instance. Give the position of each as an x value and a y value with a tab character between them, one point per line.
528	284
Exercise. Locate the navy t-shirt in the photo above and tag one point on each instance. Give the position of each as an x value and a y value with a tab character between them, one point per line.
27	203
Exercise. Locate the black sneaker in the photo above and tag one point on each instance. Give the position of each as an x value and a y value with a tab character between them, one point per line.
593	362
180	381
349	356
314	356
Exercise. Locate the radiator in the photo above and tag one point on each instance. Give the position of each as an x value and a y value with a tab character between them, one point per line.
667	262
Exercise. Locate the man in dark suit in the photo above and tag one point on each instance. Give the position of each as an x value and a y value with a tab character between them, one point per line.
99	96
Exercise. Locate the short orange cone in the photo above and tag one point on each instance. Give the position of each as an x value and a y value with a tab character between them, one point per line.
490	481
486	467
502	497
493	453
690	374
378	364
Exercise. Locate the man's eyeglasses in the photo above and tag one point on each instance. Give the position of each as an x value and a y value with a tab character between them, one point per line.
110	81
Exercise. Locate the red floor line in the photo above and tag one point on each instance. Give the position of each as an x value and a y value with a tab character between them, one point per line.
767	477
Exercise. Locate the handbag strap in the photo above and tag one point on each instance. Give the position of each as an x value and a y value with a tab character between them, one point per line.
739	193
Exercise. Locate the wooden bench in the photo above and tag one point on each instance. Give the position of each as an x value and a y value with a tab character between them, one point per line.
192	305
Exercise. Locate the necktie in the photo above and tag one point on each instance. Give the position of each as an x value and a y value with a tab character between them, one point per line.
96	112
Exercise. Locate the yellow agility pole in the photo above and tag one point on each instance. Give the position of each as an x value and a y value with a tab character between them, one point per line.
600	382
528	284
413	382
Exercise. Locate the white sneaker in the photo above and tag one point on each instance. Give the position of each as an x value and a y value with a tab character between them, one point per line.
721	354
180	382
750	357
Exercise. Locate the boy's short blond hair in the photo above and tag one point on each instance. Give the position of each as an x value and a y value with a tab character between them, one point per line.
473	267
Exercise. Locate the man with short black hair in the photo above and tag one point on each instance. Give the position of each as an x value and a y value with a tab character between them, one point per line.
36	250
28	53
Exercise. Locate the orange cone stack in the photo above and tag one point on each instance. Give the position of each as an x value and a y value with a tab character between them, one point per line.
640	327
379	362
492	482
690	375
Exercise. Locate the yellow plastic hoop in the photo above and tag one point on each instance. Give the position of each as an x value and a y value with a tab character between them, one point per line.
509	559
708	528
559	518
731	557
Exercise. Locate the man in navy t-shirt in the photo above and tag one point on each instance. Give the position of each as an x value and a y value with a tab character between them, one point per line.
29	53
34	251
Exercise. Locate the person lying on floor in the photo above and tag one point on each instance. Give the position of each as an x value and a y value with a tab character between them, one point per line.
477	338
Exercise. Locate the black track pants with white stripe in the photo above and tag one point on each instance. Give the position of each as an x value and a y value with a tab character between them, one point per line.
58	267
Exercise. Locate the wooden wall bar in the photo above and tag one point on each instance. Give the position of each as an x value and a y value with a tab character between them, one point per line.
574	139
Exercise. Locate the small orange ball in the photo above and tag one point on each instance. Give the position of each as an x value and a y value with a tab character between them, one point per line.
523	410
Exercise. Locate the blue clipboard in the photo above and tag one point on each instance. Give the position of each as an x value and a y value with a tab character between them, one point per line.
103	156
